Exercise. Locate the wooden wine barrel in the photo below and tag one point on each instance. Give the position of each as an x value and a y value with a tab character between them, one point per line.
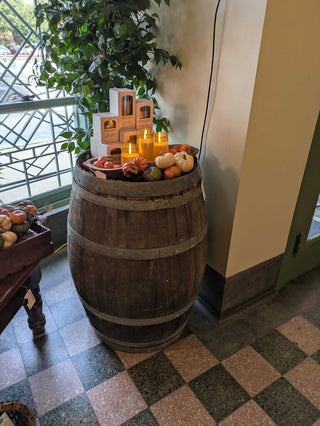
137	253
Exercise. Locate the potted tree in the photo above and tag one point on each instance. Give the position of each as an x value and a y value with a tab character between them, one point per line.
94	45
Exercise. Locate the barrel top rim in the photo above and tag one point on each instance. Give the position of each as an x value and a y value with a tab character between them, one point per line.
133	188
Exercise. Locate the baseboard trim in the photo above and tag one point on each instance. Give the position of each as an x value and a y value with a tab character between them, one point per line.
228	297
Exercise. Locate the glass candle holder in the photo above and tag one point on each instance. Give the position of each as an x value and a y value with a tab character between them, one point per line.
127	105
129	151
145	143
160	143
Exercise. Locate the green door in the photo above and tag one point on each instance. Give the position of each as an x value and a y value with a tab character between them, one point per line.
303	247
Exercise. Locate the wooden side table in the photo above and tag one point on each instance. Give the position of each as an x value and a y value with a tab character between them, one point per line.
13	294
20	276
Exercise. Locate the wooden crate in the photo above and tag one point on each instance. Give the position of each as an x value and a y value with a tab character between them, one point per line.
30	249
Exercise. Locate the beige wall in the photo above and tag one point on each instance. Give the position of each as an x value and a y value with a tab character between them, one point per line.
284	111
261	119
186	29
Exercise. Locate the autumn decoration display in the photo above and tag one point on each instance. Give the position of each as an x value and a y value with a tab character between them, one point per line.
15	222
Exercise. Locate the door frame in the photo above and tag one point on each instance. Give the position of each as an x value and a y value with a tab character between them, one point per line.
301	254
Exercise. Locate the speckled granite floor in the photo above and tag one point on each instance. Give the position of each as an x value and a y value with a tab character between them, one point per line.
262	369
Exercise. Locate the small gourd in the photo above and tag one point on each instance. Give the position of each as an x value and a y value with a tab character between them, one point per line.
130	170
18	216
20	228
165	160
32	208
172	172
24	203
4	211
184	161
9	239
5	223
141	163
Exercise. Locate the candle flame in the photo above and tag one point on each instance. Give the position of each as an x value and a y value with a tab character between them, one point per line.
145	133
129	148
159	137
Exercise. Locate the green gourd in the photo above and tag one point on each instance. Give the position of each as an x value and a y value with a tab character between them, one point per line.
20	228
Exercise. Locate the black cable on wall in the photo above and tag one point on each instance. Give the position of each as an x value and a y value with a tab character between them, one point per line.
211	77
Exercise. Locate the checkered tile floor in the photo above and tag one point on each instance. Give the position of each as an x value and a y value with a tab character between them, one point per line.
262	369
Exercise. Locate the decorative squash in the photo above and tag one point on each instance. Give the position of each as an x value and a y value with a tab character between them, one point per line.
108	164
141	163
5	211
9	238
20	228
165	160
100	161
18	216
184	161
25	203
152	173
30	215
185	147
172	172
174	149
9	207
5	223
32	208
130	170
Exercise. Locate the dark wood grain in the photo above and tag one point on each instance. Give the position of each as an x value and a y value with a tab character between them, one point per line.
137	253
30	249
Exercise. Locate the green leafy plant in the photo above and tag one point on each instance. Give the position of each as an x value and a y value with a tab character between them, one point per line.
94	45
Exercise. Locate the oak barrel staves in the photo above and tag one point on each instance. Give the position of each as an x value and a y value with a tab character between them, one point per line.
137	253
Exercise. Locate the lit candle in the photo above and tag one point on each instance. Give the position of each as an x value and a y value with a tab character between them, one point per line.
129	151
145	141
160	143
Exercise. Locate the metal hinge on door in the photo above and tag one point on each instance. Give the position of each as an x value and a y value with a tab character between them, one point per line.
297	244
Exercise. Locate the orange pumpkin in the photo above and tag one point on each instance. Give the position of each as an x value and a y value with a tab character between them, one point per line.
100	161
17	216
141	163
31	208
184	147
4	211
130	170
108	165
172	172
174	149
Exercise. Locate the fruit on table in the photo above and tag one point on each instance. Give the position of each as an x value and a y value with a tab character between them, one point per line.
9	238
184	161
5	223
20	228
152	173
141	163
184	147
18	216
172	172
165	160
130	170
1	241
